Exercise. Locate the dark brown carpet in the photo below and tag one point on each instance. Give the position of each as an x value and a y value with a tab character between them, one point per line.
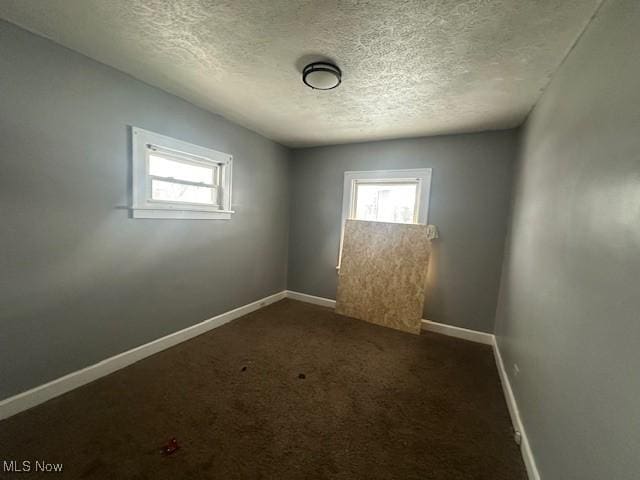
374	404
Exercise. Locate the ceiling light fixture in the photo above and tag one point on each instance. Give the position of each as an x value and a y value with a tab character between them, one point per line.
322	76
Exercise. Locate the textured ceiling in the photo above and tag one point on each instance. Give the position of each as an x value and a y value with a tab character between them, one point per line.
411	67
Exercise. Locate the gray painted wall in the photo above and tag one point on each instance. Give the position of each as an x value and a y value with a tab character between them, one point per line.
569	312
81	281
470	195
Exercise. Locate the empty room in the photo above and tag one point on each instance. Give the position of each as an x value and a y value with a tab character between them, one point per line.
320	239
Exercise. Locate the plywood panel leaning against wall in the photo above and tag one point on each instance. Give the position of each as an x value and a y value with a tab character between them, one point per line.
383	273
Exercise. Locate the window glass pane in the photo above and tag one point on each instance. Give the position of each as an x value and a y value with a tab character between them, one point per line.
177	192
386	202
164	167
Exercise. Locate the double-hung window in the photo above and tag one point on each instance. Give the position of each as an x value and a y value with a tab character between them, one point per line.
176	179
394	196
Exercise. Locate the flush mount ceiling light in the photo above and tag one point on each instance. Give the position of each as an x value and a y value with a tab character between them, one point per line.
321	76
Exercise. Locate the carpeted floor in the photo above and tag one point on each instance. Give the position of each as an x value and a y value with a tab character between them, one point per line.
374	403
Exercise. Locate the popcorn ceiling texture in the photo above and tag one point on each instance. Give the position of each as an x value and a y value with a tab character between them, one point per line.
411	67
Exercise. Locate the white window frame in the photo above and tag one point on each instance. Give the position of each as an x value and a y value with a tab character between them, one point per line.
352	178
143	205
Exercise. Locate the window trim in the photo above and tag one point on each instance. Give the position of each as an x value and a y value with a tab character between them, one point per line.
143	144
423	192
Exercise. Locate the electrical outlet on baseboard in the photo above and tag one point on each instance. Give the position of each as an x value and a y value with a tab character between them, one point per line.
517	436
516	370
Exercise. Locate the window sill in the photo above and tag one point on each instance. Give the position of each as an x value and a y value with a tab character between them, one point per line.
170	213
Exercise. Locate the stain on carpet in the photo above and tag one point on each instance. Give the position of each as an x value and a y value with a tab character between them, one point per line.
375	403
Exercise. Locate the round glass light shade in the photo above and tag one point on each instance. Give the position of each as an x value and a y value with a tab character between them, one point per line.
321	76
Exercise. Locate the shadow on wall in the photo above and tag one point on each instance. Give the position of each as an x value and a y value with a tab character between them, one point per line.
432	277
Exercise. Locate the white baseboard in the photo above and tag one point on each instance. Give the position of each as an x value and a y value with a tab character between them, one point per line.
458	332
303	297
450	330
35	396
525	447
